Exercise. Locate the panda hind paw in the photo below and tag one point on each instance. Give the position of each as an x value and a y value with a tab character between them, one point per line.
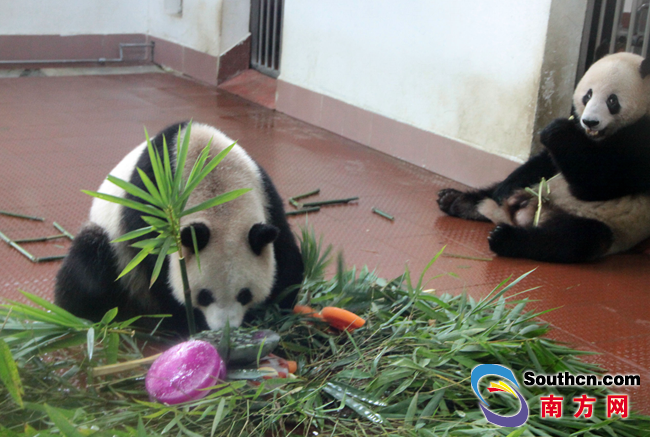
459	204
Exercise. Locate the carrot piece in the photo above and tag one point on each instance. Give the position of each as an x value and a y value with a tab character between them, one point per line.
342	319
306	310
292	366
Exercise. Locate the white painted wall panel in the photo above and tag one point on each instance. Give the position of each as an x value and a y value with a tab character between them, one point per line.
465	69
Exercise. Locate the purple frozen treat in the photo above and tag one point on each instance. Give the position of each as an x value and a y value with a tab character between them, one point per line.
180	373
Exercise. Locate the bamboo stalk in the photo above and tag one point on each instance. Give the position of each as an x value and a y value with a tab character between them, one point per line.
189	308
474	258
8	240
23	216
36	240
63	231
303	210
49	258
302	196
383	214
329	202
122	367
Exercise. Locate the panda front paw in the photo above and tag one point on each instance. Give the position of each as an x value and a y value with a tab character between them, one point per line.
557	133
504	240
458	204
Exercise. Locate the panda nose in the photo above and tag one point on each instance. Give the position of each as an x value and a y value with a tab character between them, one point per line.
591	123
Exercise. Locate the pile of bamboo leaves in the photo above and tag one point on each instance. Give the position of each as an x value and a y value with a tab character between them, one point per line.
406	372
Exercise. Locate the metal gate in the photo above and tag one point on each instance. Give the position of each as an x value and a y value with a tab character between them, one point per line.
266	33
614	26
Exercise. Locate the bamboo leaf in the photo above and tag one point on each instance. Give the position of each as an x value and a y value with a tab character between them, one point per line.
108	317
196	247
168	168
9	374
152	243
182	147
151	187
161	259
141	432
196	178
90	342
134	190
158	224
133	234
157	169
218	416
147	209
218	200
112	347
55	309
135	261
65	427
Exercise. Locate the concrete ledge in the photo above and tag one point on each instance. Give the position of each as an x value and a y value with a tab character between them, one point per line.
447	157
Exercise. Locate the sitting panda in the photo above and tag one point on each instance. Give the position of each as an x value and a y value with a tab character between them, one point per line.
248	253
598	166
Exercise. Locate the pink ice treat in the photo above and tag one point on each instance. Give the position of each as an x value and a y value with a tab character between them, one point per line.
180	373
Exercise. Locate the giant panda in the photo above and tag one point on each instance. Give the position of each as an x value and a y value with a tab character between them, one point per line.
598	166
247	251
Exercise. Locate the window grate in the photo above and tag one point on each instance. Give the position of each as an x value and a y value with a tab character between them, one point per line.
614	26
266	32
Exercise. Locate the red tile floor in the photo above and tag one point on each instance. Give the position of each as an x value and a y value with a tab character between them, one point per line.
59	135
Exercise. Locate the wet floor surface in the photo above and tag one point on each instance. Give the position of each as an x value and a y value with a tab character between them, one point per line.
59	135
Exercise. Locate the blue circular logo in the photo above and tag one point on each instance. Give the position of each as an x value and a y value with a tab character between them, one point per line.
482	370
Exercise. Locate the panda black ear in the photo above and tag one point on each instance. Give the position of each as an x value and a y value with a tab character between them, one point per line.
644	69
260	235
202	236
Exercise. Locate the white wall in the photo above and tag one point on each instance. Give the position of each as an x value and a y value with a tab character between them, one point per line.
197	28
72	17
209	26
466	69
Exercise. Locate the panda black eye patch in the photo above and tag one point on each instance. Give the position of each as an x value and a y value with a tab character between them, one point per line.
244	296
587	97
205	297
613	104
202	236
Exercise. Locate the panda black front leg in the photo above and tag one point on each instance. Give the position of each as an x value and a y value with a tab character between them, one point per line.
562	239
561	134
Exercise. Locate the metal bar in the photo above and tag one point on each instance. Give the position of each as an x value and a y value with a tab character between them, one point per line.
646	34
631	26
254	21
601	22
28	217
63	231
37	240
268	31
260	26
98	60
275	32
615	24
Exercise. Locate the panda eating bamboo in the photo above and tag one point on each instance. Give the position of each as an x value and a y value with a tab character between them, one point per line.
596	200
248	253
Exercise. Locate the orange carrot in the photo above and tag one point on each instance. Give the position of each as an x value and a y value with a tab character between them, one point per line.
308	311
292	366
342	319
